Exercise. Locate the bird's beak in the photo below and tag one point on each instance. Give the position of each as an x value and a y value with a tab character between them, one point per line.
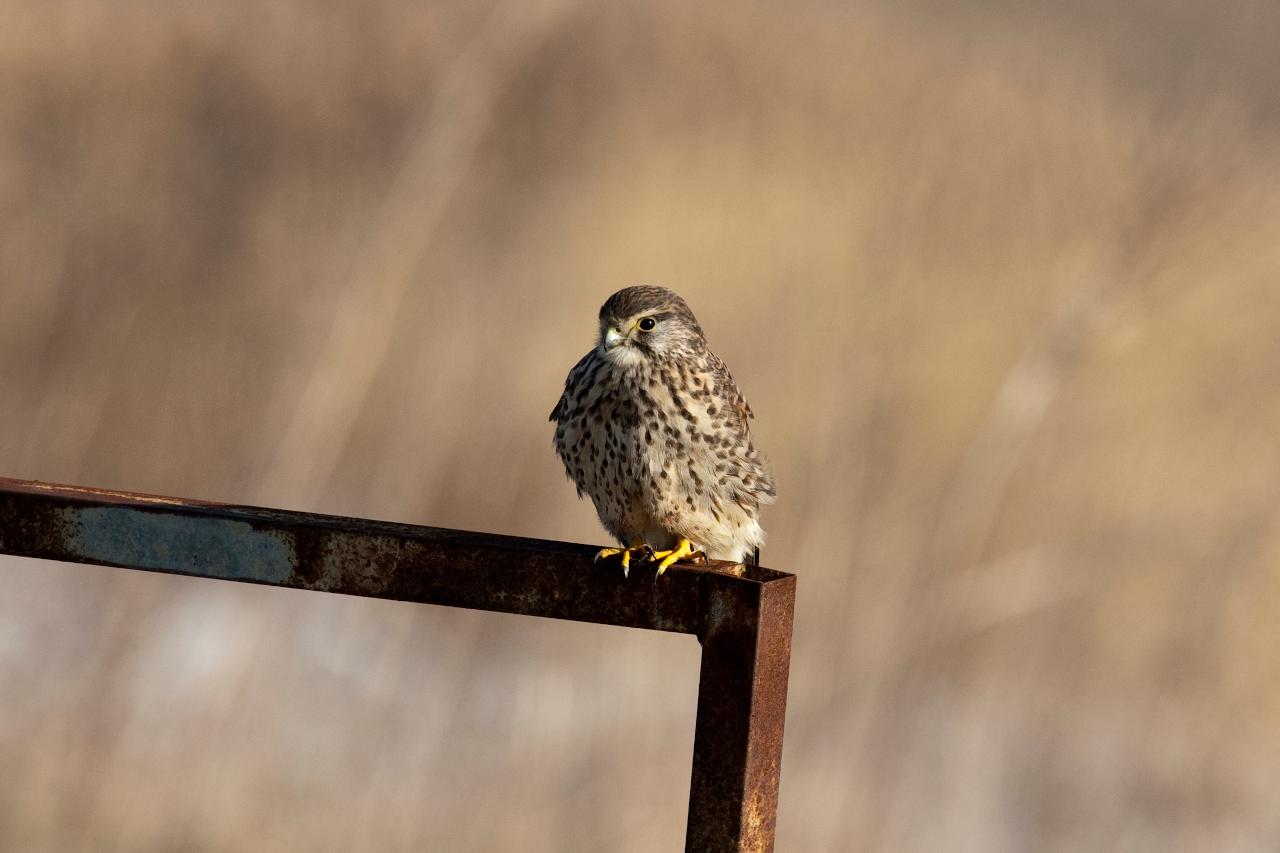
612	337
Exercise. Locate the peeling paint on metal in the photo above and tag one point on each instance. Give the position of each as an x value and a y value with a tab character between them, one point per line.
177	543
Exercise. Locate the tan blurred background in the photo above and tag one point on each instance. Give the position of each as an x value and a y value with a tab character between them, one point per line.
1001	280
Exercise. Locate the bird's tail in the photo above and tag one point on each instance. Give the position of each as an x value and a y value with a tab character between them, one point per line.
755	557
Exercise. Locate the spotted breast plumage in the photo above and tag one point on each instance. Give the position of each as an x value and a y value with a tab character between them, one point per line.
653	429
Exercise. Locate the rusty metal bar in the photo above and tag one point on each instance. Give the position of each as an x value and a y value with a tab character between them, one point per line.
742	615
742	700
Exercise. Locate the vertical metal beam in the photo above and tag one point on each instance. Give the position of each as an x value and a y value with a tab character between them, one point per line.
742	703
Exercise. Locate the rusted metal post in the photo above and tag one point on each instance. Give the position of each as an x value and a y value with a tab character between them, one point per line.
742	615
742	700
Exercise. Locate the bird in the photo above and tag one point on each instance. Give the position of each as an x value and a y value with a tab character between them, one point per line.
652	427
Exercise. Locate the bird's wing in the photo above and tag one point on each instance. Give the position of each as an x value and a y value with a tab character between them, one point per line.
570	385
726	389
762	488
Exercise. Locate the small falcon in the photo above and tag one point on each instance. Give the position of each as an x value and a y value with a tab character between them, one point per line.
652	427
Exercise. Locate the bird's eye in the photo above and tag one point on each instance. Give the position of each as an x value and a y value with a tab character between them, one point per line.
648	324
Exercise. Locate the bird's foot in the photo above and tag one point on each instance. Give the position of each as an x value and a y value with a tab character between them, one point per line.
684	550
643	551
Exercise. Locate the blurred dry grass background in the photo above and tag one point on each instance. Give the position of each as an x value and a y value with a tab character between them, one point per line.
1001	280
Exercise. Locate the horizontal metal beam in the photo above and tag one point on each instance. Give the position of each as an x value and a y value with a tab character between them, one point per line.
742	614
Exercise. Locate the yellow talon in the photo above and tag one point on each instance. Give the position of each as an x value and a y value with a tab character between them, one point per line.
684	548
605	553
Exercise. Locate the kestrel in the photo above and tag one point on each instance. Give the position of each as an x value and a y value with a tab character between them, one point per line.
652	427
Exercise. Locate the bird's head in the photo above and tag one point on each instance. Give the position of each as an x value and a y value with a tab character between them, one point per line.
645	324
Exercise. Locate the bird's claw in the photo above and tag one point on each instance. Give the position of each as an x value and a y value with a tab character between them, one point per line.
644	552
684	550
